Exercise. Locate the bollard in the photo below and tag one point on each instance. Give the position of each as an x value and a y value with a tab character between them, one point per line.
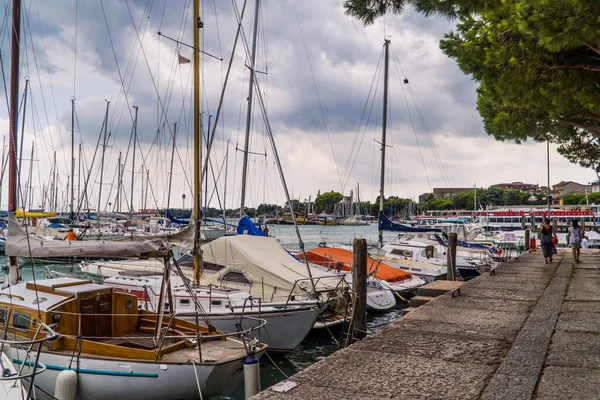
359	286
451	257
251	375
66	385
526	240
523	222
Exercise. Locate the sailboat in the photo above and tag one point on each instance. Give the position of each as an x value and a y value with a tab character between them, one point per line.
116	349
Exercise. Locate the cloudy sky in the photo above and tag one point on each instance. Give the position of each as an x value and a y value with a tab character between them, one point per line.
321	81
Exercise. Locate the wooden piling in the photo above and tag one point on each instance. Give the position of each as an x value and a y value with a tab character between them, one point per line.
359	286
451	256
527	232
523	222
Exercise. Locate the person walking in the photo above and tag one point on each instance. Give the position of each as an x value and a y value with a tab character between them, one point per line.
546	234
574	237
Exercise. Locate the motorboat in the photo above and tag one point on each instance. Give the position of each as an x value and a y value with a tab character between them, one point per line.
336	258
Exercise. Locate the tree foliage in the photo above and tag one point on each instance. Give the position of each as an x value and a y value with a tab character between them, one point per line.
326	201
537	63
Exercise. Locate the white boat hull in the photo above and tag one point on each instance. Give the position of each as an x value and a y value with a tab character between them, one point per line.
101	379
284	329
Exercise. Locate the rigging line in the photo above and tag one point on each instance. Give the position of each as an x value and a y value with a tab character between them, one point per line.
345	173
112	46
60	139
75	47
128	76
414	131
422	119
416	139
39	81
164	111
4	83
317	91
431	142
375	82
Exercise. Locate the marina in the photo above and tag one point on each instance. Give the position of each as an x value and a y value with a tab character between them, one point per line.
305	263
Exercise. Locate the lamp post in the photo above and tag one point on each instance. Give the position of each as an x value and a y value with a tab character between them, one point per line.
549	200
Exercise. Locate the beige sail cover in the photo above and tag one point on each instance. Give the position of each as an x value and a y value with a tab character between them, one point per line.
263	261
18	244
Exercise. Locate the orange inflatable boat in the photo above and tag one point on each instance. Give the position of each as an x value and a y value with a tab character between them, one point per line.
334	258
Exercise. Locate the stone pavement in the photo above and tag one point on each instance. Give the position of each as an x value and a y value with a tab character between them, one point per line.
530	331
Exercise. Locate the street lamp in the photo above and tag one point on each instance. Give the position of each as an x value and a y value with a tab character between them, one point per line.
183	198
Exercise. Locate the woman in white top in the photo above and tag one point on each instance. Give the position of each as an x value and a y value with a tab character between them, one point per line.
574	237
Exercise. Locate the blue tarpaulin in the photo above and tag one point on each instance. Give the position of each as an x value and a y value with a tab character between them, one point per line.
246	224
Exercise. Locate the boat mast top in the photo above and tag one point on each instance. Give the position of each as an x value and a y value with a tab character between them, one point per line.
249	110
386	45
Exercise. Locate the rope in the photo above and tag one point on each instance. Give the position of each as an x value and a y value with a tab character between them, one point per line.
276	366
197	381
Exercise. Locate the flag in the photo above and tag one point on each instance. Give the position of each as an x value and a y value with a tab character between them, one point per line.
183	60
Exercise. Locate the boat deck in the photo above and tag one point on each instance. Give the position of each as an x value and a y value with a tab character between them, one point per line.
529	331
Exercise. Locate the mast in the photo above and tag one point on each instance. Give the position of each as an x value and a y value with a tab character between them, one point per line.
142	197
79	180
119	183
249	111
133	162
54	187
171	173
206	176
21	149
197	252
359	211
72	199
225	189
147	189
386	45
102	161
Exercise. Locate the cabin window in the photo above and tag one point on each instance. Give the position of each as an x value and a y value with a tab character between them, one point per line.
21	321
2	316
235	277
398	252
212	267
407	253
184	302
216	302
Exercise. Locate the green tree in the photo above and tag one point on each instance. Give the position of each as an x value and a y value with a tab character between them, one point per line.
438	204
594	198
537	63
573	199
327	200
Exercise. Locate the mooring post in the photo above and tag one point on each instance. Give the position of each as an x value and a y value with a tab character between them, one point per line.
526	247
451	256
523	222
359	286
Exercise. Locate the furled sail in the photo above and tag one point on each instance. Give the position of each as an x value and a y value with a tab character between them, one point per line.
20	245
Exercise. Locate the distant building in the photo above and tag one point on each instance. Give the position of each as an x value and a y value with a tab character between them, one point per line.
424	197
524	187
449	192
595	186
569	187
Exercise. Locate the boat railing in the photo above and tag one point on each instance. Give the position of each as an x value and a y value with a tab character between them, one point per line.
341	282
198	337
35	366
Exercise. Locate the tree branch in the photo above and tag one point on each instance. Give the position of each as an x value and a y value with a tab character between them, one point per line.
578	66
589	46
594	130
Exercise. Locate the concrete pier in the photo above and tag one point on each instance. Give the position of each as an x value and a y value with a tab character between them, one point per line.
530	331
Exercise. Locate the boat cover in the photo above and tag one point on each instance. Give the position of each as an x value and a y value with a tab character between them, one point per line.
331	257
245	225
262	260
18	244
385	224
